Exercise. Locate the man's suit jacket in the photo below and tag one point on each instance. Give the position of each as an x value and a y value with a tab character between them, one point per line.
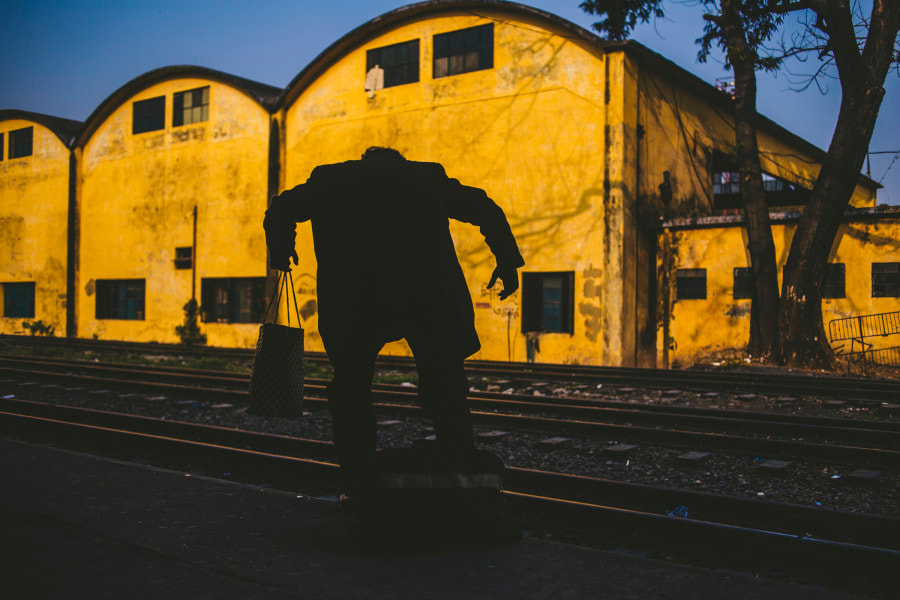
387	267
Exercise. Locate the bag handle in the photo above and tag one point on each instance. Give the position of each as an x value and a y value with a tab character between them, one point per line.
283	284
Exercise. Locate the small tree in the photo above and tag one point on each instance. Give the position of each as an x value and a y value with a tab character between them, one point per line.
190	331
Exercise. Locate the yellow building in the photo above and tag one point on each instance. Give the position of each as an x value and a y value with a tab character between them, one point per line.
570	134
35	184
704	310
173	172
587	145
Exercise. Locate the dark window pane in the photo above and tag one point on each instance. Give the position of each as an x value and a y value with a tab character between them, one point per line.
690	284
400	62
834	281
18	300
183	257
547	302
886	280
120	299
149	115
20	142
463	51
1	146
232	300
743	283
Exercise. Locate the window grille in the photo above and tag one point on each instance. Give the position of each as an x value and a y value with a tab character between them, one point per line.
18	300
400	62
232	299
184	257
834	281
690	284
547	302
463	51
743	283
120	299
886	280
20	142
149	115
191	106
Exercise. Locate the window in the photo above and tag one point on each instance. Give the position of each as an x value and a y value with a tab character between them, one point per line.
690	284
1	146
149	115
727	186
120	299
190	107
463	51
18	300
834	281
20	142
547	302
184	257
400	62
743	283
886	280
233	300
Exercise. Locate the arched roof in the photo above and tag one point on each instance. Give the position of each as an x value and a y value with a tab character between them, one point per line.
416	11
647	57
266	96
65	129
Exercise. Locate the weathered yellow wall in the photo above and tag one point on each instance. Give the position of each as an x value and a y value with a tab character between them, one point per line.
136	200
719	326
34	196
531	131
681	132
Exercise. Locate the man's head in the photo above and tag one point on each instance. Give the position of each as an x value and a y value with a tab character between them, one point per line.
381	152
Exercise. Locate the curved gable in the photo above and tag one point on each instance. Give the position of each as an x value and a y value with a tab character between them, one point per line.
266	96
65	129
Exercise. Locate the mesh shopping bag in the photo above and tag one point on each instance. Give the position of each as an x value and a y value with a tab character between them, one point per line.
276	385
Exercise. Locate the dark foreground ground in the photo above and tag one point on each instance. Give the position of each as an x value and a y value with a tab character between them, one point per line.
79	526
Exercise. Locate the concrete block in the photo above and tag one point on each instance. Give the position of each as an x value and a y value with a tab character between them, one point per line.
694	456
388	422
864	475
493	434
621	448
775	466
554	441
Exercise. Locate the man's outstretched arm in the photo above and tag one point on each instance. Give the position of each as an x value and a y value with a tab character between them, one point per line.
280	223
472	205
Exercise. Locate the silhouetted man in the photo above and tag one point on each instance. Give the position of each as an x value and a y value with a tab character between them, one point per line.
387	269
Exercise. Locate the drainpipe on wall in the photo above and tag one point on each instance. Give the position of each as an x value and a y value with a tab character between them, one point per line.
194	260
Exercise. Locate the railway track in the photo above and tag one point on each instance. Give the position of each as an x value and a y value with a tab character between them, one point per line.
750	530
847	441
763	382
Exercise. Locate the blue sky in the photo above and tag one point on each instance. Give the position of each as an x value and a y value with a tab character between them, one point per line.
63	58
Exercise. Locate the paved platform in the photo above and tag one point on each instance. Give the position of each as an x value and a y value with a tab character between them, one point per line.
78	526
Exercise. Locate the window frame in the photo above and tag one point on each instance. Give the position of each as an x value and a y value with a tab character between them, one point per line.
442	48
893	287
16	146
534	302
143	120
681	292
178	110
390	71
184	257
746	277
830	286
30	306
118	310
234	313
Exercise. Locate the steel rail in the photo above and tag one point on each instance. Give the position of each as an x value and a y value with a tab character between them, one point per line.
849	430
872	390
871	530
883	458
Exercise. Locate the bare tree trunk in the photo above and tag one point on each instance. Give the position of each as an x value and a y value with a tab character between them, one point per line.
802	341
764	312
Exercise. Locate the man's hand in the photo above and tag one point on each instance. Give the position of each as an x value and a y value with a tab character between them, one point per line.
510	277
281	237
